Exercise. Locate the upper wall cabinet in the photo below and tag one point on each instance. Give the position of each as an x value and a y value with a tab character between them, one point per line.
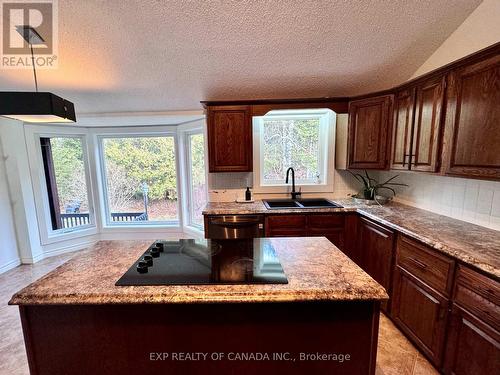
417	126
369	129
404	104
472	129
229	133
429	97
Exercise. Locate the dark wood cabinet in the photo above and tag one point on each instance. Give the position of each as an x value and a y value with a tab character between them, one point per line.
420	312
416	138
229	133
426	264
351	237
369	132
404	103
420	295
473	344
472	347
331	226
285	226
472	129
375	253
426	140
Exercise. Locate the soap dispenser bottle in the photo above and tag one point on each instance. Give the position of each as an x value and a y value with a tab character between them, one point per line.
248	194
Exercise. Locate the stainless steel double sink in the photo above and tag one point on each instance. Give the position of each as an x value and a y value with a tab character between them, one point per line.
285	204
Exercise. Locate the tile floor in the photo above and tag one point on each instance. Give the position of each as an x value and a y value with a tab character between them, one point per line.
396	355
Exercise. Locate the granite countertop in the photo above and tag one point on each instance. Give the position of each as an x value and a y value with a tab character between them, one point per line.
315	268
472	244
257	207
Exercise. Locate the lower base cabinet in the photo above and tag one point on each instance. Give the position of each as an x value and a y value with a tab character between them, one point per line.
330	226
285	226
421	313
449	311
473	347
473	338
374	253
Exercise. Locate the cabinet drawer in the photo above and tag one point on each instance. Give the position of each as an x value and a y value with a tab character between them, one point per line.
287	221
325	222
479	295
432	268
286	225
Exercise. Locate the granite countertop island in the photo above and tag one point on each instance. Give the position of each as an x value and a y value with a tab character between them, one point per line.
75	320
472	244
316	270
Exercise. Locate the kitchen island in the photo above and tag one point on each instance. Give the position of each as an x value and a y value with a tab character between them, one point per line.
325	319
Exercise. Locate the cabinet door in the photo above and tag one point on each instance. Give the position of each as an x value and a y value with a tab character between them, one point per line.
369	127
351	248
376	248
402	129
421	313
427	129
376	245
472	128
472	347
229	139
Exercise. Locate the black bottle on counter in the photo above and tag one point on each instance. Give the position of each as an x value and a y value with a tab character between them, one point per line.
248	194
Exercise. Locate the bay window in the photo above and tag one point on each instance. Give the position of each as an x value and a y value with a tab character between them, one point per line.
140	179
66	182
196	178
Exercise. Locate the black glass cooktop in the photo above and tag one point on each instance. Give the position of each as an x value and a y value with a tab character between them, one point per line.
188	261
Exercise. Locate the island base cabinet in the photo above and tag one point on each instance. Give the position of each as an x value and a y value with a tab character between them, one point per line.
473	347
420	313
209	338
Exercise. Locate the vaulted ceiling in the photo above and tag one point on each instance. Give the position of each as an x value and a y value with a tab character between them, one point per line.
153	55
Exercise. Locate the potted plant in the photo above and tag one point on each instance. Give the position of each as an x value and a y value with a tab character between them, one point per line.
371	187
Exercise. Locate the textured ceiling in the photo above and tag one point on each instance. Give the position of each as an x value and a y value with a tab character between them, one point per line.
152	55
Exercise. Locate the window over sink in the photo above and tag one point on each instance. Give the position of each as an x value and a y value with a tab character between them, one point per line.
302	139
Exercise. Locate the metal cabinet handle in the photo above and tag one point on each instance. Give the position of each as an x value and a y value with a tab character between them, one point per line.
410	156
418	263
233	224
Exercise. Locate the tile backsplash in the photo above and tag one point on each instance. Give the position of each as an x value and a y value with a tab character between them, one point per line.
474	201
227	187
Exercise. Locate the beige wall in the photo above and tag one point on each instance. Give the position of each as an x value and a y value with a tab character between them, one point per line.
480	30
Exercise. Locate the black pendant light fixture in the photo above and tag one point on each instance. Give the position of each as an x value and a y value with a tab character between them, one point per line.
35	107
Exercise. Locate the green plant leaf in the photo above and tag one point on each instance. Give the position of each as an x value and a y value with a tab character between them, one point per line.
389	180
360	178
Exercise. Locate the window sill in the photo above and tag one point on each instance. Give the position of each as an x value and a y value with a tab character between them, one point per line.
69	234
141	228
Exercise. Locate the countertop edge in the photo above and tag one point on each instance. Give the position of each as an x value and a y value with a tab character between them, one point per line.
83	300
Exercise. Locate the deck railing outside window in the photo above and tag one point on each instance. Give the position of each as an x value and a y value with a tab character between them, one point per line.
75	220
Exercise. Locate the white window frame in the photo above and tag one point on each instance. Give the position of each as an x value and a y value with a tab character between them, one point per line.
143	132
33	133
327	157
185	131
